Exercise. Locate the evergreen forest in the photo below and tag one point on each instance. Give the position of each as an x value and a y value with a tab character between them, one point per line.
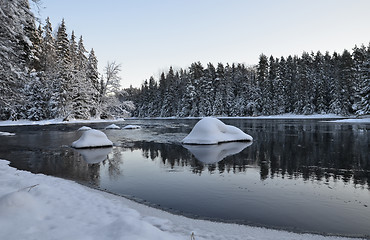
313	83
47	74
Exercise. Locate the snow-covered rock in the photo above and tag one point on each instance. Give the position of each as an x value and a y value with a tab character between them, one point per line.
214	153
95	155
112	126
92	138
131	127
84	128
6	134
210	130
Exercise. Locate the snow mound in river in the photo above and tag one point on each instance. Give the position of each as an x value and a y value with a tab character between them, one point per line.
112	126
92	138
132	127
210	130
84	128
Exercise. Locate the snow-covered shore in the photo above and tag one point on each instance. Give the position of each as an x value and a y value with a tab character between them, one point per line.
35	206
282	116
53	121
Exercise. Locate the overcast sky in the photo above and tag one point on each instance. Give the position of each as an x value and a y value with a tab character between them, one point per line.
148	36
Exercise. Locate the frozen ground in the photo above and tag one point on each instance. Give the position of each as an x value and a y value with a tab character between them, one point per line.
35	206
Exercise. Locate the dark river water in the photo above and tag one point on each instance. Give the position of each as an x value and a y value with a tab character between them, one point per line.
297	175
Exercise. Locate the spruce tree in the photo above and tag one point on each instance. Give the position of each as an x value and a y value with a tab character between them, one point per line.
363	73
15	56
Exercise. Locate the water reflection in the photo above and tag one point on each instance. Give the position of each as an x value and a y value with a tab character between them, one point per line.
211	154
275	160
295	174
95	155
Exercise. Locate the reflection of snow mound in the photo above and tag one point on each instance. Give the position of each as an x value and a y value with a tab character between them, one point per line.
112	126
132	127
84	128
92	138
210	154
96	155
210	130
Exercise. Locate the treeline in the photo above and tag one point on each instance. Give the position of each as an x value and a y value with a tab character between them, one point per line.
312	83
46	74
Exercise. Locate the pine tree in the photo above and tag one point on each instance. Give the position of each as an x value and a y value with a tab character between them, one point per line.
320	78
335	86
262	78
362	61
62	97
15	55
92	76
73	50
346	82
82	60
280	95
48	58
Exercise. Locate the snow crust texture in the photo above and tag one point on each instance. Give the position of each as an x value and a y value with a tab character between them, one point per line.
35	206
92	138
210	130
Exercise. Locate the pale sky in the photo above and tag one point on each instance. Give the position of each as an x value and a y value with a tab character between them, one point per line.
148	36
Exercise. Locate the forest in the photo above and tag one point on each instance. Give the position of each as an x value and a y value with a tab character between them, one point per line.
46	74
313	83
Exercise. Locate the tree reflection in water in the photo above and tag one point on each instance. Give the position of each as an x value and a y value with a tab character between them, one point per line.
282	155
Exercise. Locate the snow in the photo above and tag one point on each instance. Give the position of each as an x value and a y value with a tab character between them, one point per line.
351	120
35	206
52	121
292	116
112	126
6	134
60	121
84	128
95	155
210	130
210	154
92	138
131	127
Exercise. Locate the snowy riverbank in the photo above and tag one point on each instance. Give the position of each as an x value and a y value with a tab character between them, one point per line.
283	116
35	206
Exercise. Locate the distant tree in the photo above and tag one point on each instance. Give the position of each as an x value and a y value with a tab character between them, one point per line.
362	63
111	81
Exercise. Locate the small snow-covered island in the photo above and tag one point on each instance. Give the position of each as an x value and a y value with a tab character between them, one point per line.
112	126
92	139
84	128
210	130
131	127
